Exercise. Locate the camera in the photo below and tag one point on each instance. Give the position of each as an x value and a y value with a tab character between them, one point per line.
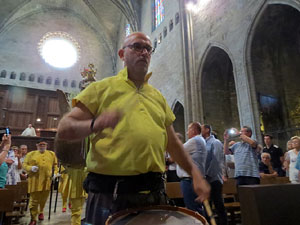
233	133
4	130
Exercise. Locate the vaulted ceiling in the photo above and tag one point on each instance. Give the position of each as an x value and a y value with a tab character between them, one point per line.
103	17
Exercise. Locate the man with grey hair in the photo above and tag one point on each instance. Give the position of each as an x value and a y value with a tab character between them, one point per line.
214	169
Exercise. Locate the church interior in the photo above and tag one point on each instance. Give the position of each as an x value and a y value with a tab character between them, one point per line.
225	63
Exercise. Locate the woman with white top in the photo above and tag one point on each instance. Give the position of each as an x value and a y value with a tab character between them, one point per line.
291	159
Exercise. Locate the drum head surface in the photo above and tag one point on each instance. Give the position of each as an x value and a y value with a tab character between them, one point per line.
156	216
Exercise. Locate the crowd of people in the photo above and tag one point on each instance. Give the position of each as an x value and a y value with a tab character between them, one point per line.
239	157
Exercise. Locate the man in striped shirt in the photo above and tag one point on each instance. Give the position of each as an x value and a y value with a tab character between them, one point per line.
246	162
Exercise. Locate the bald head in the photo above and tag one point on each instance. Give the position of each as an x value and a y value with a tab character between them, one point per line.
136	54
131	37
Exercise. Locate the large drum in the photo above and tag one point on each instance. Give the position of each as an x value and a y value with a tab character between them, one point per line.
70	153
154	215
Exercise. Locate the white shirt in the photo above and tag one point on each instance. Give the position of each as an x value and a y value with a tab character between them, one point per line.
195	147
29	132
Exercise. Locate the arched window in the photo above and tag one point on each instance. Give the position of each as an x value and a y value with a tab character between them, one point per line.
176	18
73	84
13	75
159	38
171	25
3	74
155	43
165	31
31	77
40	79
49	80
65	83
57	81
23	76
158	13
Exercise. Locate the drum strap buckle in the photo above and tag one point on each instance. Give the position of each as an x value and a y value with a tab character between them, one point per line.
115	193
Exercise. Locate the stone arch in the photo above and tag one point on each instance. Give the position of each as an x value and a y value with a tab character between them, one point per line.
49	80
176	18
57	81
13	75
3	74
65	83
218	93
40	79
273	65
73	84
23	76
178	124
31	77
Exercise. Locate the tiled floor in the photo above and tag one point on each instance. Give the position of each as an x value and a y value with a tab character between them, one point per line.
57	218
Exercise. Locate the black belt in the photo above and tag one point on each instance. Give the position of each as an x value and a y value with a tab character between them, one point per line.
99	183
185	178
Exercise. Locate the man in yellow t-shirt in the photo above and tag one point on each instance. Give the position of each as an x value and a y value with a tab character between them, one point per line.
130	126
39	165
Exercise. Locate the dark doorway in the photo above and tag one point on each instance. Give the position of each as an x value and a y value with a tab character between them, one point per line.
275	63
218	92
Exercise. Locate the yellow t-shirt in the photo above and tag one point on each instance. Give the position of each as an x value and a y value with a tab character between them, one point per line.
138	142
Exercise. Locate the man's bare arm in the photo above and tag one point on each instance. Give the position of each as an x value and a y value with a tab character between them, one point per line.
226	144
76	125
249	141
175	148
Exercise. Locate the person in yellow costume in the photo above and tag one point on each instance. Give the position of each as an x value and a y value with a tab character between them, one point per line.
39	165
76	194
63	188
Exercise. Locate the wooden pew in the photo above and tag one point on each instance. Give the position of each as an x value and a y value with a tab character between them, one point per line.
233	207
7	197
275	180
18	206
270	204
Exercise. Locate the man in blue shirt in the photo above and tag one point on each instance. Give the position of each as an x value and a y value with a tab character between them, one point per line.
245	156
214	171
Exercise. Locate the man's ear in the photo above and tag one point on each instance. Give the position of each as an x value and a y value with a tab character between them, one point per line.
121	54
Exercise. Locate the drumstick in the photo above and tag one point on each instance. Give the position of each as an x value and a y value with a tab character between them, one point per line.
209	212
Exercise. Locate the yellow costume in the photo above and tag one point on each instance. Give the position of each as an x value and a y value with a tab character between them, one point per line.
71	188
64	187
39	182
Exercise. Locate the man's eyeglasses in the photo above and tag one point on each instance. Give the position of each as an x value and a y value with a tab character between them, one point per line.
140	48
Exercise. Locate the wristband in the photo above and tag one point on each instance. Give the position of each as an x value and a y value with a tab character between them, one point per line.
92	124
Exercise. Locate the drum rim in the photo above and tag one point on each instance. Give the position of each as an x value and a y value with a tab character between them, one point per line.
194	214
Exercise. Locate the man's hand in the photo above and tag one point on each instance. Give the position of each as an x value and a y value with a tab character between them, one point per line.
6	142
56	176
34	169
226	136
107	119
201	187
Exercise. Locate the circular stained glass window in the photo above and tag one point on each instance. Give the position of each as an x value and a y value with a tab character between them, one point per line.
59	49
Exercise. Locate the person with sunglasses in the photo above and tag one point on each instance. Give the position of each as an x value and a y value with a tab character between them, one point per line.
129	124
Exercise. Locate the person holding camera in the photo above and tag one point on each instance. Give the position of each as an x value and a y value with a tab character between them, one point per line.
4	149
39	165
245	156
